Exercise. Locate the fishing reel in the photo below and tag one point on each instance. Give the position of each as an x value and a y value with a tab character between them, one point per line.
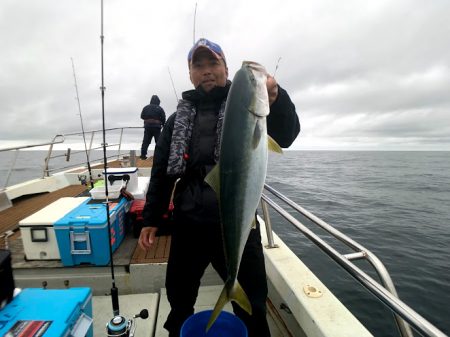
119	326
82	178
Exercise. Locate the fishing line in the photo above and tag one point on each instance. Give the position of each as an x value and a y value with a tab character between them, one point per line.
82	127
173	85
276	68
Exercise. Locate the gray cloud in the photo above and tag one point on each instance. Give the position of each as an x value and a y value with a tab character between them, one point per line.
361	74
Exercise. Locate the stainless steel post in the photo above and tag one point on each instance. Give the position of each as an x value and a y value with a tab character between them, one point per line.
266	216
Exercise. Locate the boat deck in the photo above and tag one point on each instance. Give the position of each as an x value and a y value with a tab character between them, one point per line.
158	308
29	204
159	253
140	276
129	260
128	253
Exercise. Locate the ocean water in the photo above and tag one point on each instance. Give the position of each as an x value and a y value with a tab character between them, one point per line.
396	204
17	166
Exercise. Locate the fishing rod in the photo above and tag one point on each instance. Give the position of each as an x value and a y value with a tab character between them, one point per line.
91	180
114	290
195	16
118	326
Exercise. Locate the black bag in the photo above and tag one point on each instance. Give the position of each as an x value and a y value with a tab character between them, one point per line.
6	278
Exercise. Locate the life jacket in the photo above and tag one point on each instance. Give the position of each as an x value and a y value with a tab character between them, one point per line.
182	134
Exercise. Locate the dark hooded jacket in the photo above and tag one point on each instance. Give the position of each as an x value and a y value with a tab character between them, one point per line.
194	199
152	114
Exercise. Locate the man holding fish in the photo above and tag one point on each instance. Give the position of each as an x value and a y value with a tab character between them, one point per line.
213	154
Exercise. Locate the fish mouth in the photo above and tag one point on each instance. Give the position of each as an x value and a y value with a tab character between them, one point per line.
255	67
256	71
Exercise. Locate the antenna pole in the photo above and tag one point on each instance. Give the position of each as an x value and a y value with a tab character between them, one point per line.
82	127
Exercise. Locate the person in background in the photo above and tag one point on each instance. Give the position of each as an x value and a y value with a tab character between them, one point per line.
154	119
186	150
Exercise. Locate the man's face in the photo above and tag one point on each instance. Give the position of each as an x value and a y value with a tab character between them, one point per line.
207	71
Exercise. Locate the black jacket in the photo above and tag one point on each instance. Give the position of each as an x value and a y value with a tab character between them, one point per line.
152	114
194	198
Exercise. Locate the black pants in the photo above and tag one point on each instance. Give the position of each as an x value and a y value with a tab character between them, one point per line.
149	133
193	247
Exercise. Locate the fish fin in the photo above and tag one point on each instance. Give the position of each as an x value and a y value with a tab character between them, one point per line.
213	179
223	299
256	134
236	294
239	296
273	145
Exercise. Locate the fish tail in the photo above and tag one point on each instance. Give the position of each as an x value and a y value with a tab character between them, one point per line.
236	294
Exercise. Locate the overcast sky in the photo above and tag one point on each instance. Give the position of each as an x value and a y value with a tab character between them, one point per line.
362	74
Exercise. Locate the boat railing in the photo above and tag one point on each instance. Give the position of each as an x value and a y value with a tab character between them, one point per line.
405	316
94	141
58	139
94	144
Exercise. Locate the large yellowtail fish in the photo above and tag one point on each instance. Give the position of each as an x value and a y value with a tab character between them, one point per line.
238	178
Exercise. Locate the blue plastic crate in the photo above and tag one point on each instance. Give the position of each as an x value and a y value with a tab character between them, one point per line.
48	313
82	234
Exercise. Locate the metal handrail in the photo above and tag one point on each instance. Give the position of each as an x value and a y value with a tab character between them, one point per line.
46	170
56	140
402	312
94	161
59	139
79	133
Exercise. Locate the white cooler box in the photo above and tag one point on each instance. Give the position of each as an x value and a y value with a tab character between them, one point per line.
38	234
119	173
141	191
116	181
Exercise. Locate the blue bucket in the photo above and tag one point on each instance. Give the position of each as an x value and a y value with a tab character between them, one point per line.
226	325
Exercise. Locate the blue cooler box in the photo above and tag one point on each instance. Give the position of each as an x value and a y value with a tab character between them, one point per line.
48	313
82	234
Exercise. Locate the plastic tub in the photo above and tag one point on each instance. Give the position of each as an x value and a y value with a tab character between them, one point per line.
226	325
98	192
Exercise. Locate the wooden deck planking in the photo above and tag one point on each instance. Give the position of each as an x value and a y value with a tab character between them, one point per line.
167	248
159	253
161	247
139	254
27	205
